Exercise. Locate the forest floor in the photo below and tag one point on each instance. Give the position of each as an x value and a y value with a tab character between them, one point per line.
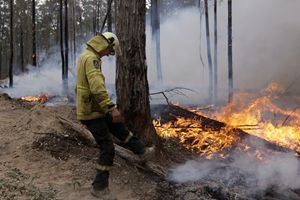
39	159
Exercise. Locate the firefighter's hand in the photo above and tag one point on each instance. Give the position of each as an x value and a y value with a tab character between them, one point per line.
116	116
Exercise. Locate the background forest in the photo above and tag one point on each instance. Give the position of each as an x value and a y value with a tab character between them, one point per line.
84	18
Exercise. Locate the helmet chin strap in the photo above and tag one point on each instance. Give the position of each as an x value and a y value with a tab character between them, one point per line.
111	42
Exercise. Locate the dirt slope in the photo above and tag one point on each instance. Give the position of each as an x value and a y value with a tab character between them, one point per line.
39	159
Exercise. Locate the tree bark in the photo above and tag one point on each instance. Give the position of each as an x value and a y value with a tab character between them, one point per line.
230	68
131	75
34	63
209	59
11	81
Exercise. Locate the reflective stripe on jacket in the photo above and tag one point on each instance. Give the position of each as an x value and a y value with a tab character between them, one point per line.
92	100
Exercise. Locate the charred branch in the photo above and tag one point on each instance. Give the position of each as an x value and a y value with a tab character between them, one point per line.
170	113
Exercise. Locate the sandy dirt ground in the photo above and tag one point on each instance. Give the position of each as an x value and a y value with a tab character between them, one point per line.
39	159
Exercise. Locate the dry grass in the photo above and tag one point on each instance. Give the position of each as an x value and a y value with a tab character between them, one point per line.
17	185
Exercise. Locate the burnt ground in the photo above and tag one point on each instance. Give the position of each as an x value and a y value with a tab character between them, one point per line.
40	159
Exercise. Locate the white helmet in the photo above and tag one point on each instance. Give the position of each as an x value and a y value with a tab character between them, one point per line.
113	42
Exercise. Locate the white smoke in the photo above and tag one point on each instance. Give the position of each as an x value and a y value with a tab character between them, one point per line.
265	49
282	170
47	77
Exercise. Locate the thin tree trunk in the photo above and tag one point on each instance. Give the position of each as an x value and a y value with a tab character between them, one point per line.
201	7
230	68
98	17
57	34
131	80
11	81
155	24
80	24
61	38
66	67
74	31
210	68
34	63
1	41
0	60
109	19
94	16
22	49
66	40
105	18
215	52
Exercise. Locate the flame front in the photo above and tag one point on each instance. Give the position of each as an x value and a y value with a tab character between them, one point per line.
39	98
265	118
260	116
194	137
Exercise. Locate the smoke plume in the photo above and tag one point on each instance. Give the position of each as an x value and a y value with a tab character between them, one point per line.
281	170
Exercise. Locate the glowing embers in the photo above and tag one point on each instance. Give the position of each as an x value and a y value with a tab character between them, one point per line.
39	98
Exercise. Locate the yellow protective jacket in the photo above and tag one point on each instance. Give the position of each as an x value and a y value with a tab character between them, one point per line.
92	100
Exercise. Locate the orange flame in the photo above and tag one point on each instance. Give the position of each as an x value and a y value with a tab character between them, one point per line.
260	116
39	98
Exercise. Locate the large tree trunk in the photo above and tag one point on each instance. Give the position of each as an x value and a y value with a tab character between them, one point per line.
11	82
230	69
131	81
34	63
209	59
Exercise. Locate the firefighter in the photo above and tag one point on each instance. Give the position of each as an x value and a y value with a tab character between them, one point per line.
98	112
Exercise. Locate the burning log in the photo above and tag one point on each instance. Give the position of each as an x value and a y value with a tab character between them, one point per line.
239	138
39	98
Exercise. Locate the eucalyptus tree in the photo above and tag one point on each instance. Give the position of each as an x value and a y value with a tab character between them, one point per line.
230	64
131	82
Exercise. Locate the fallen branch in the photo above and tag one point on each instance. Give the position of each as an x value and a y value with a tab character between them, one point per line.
84	133
132	158
79	129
